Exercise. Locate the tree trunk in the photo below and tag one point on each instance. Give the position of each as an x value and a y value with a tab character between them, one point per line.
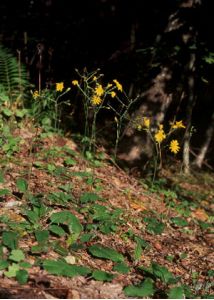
208	137
189	109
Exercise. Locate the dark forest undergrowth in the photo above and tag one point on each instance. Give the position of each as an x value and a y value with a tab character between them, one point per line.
78	228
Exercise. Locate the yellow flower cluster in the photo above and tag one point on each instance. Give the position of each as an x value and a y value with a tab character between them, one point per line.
35	95
146	122
99	91
178	124
75	82
113	94
59	86
118	85
160	135
174	146
96	100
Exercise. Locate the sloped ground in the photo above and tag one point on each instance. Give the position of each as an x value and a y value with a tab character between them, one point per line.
161	236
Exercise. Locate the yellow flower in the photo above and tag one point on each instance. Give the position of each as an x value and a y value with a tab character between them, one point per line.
174	146
160	135
139	127
75	82
94	78
109	85
178	124
96	100
146	122
35	95
113	94
99	91
118	85
59	86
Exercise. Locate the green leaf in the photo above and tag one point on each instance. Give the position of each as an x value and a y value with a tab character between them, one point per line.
4	192
39	249
176	293
163	273
25	264
210	273
137	251
22	276
179	222
1	177
81	174
102	276
65	217
62	268
22	185
70	162
3	264
144	290
57	230
10	239
20	113
12	270
42	236
86	237
7	112
144	244
81	270
32	216
58	268
89	197
154	226
17	255
121	268
105	252
51	168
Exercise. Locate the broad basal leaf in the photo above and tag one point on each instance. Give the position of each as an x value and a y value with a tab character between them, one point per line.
146	289
154	226
3	264
4	192
105	252
58	230
42	236
12	270
163	273
138	251
102	276
17	255
89	197
176	293
10	239
64	269
179	221
22	185
65	217
121	268
22	276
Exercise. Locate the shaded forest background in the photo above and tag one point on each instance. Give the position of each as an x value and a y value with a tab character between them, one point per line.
162	51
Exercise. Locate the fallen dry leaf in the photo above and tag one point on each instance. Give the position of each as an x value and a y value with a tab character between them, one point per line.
200	214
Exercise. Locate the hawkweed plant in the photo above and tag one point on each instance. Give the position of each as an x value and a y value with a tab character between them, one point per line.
96	96
159	136
46	105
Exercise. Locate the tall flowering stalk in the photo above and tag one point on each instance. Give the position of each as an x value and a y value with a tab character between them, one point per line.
94	98
158	137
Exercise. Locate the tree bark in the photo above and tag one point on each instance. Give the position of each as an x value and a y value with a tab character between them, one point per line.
189	109
204	148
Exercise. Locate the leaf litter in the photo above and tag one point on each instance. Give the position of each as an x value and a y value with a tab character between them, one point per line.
70	229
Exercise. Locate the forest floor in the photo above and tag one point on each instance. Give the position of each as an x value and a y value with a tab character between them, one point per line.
77	228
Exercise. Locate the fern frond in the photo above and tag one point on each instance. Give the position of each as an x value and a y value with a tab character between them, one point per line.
13	76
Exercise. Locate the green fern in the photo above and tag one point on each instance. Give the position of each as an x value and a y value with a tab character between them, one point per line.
13	77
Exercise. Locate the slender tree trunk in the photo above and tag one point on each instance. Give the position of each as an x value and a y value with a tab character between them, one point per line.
208	137
189	109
